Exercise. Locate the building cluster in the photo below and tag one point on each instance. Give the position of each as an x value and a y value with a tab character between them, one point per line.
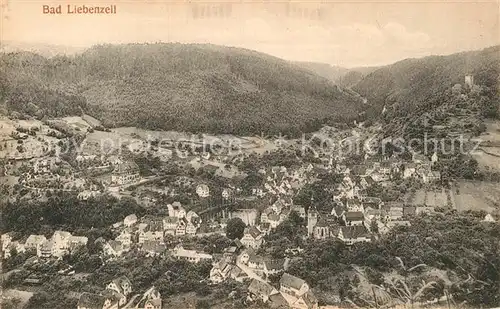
119	294
60	244
147	234
293	292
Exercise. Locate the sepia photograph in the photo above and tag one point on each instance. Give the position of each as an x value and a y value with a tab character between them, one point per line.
249	154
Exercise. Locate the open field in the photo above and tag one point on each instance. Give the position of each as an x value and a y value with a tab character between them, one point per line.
24	296
472	195
488	154
431	198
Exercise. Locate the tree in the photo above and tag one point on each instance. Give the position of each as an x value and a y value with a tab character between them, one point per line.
235	228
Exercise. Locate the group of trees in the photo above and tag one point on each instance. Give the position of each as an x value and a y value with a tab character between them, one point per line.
458	243
65	211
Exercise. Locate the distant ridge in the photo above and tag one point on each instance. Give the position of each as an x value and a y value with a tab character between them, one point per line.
185	87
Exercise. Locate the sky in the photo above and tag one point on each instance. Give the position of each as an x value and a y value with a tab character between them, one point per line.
348	34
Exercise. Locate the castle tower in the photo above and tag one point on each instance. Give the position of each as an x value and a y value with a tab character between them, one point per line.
312	219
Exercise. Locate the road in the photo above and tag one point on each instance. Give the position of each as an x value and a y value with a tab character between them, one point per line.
250	273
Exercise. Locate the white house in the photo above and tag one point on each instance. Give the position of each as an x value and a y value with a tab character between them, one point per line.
176	210
252	238
203	190
34	241
121	285
191	255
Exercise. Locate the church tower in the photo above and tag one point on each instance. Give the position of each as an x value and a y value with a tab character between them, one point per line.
312	218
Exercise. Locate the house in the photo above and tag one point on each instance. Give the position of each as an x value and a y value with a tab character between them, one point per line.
47	249
176	210
261	290
256	262
489	218
60	244
224	269
180	230
95	301
34	241
338	211
86	194
130	220
125	238
373	202
192	216
244	257
354	205
6	240
431	176
115	297
77	241
203	190
125	173
192	256
293	286
153	247
220	271
264	217
252	237
153	232
191	228
396	212
300	210
113	248
121	285
354	234
307	301
352	218
151	299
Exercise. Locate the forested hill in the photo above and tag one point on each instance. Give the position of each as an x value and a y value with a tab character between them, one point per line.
186	87
413	85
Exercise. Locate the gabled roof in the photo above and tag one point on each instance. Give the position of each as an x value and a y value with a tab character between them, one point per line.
36	238
353	232
288	280
338	210
354	216
260	288
310	299
252	231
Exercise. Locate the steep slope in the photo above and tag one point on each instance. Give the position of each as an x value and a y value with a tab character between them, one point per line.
414	85
188	87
